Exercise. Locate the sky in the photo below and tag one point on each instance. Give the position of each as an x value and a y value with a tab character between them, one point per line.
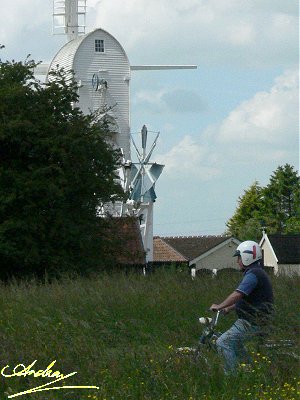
223	126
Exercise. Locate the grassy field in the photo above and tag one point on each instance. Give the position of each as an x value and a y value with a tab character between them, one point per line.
119	332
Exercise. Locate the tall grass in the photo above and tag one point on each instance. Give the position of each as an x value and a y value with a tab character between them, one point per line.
119	332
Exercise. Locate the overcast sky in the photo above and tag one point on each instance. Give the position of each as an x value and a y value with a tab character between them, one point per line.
232	121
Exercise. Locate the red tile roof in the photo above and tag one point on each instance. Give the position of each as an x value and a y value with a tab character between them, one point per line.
126	241
190	247
162	251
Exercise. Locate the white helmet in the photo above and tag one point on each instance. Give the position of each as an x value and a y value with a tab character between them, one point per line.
249	251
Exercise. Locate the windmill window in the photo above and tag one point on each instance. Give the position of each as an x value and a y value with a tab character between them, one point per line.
99	46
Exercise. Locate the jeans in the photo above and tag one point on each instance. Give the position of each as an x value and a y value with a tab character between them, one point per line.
231	345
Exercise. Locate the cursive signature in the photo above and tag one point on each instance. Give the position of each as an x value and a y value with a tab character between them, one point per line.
21	370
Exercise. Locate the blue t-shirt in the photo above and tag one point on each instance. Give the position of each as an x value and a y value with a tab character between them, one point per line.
256	304
248	284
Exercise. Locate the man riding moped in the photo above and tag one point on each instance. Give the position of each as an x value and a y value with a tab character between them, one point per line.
252	300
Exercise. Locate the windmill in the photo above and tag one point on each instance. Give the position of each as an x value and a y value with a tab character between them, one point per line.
103	73
143	176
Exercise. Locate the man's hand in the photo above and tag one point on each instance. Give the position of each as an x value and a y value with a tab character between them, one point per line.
215	307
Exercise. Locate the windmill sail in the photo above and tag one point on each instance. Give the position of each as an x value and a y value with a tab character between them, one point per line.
143	180
143	176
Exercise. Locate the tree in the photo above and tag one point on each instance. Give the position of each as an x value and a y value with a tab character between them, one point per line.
245	223
282	201
56	169
276	207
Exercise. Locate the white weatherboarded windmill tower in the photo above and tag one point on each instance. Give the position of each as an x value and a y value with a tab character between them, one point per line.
101	68
103	73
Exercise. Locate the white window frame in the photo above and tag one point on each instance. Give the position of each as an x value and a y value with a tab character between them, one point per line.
99	46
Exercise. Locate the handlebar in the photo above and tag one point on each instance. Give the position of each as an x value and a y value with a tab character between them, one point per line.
213	321
209	331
